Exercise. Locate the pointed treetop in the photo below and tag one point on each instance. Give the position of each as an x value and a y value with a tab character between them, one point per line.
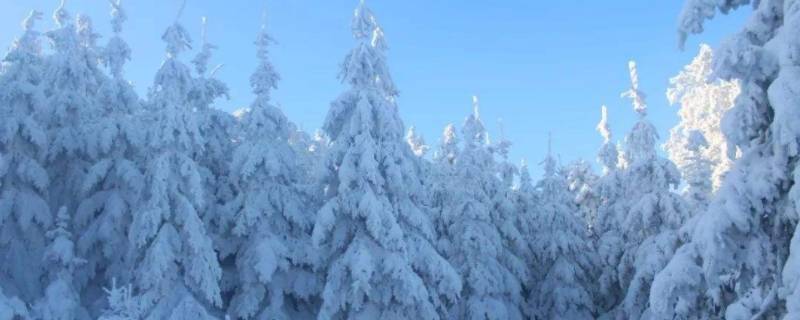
476	107
265	78
31	19
60	16
449	134
180	11
202	58
603	127
364	22
549	161
86	32
637	97
118	16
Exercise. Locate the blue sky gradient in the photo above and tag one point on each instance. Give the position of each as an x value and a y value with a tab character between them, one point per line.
541	66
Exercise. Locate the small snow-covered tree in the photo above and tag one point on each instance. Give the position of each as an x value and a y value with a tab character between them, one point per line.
375	238
703	103
272	220
25	214
61	300
122	304
562	250
177	272
652	212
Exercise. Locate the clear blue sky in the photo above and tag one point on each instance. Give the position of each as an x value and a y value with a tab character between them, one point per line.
539	65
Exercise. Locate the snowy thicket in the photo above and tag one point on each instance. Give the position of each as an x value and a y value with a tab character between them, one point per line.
118	206
741	262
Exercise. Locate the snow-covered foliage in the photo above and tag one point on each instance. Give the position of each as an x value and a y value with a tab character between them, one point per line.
204	214
478	234
741	262
562	250
703	103
25	215
177	272
271	217
375	238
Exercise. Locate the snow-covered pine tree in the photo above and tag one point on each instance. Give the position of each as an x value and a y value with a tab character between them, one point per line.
176	269
653	213
218	129
112	185
562	250
72	81
473	236
272	217
61	299
374	236
744	248
610	215
25	214
703	103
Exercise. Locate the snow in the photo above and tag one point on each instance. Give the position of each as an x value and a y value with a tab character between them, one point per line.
117	206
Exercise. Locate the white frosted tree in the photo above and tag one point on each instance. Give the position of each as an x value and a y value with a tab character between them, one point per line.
652	212
703	102
25	214
375	238
122	304
743	249
610	215
563	252
176	269
471	226
72	80
272	218
111	187
61	299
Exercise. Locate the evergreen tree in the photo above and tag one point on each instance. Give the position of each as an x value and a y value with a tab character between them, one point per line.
112	185
25	214
177	272
562	253
272	220
608	231
374	236
473	234
653	213
122	304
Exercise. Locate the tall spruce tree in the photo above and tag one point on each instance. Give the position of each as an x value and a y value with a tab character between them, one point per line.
374	236
562	250
272	218
177	272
